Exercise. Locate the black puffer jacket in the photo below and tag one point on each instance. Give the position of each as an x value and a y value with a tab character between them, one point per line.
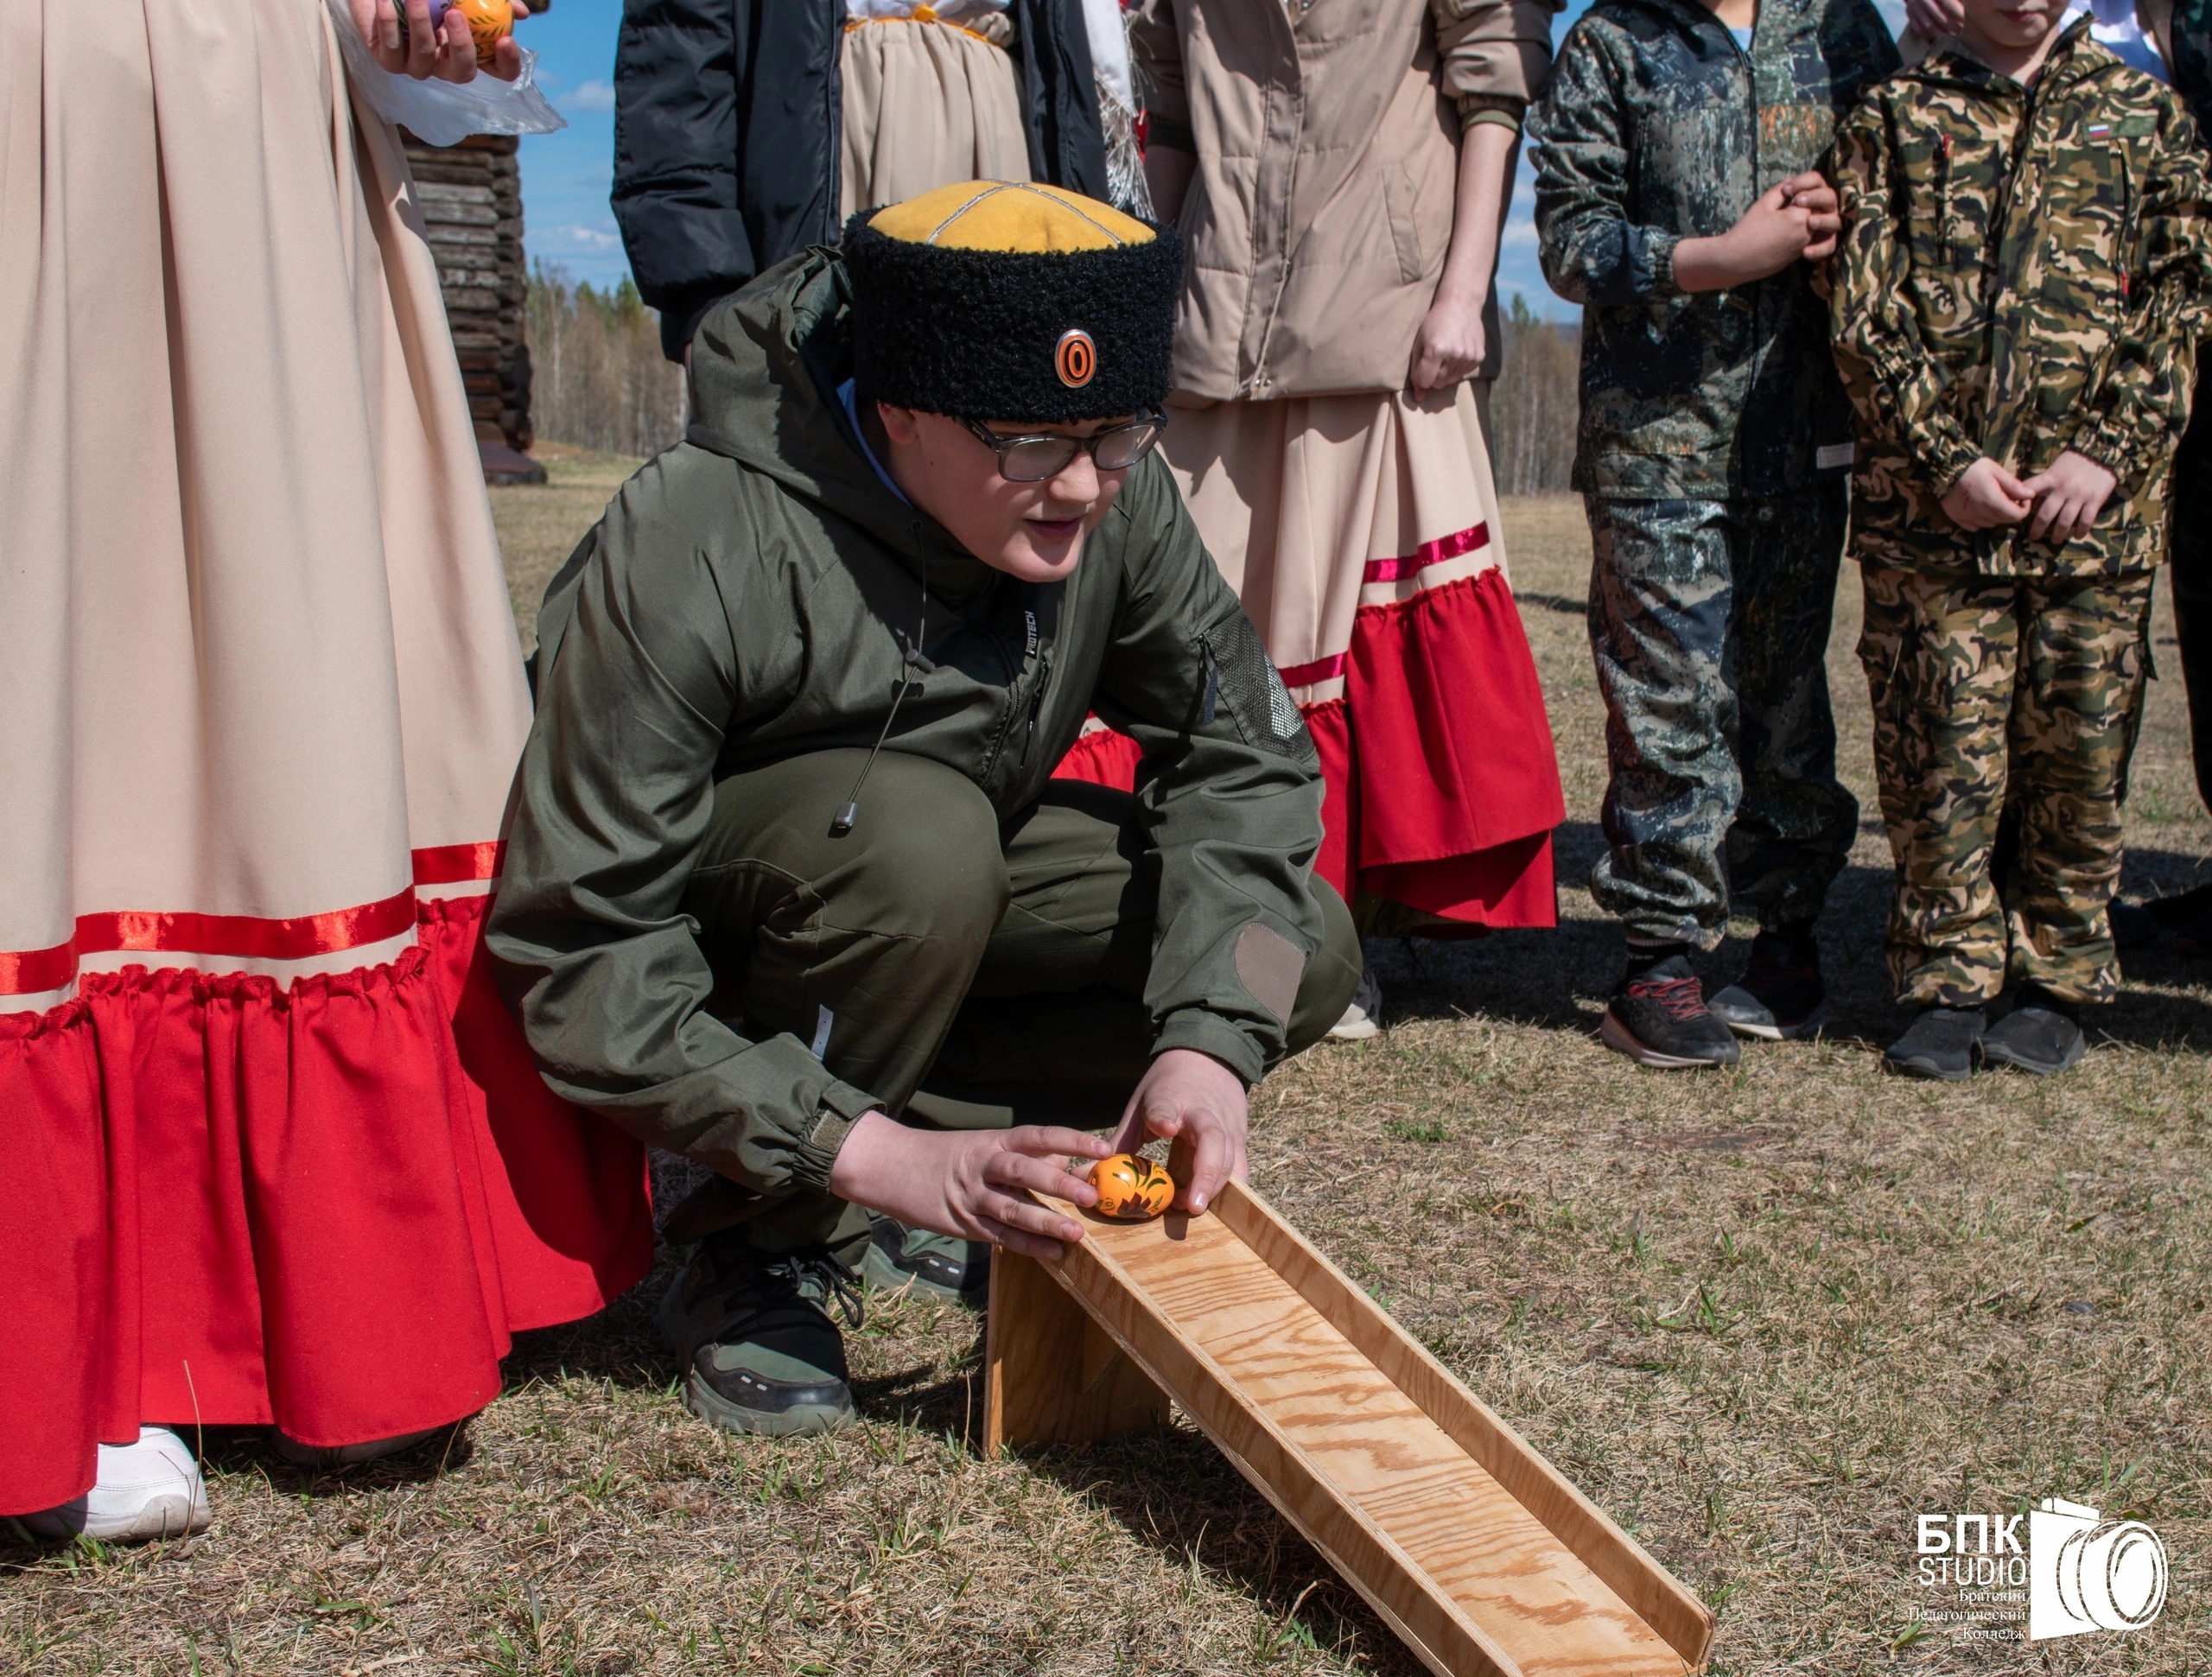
728	120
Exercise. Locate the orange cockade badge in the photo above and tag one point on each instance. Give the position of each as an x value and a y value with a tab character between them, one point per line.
1131	1187
1076	358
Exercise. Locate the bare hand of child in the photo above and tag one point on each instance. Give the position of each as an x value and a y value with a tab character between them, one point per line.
1823	219
1201	1106
1929	19
968	1183
1449	345
1987	496
1773	233
2068	494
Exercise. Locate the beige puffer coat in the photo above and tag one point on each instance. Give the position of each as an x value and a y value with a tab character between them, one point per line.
1327	137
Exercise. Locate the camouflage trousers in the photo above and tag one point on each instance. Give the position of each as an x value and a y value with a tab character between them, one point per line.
1989	690
1709	623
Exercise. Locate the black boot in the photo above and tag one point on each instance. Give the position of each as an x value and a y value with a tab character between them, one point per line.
1780	996
1939	1045
2041	1034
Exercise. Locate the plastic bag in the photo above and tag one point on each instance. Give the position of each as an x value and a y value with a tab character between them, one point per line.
445	112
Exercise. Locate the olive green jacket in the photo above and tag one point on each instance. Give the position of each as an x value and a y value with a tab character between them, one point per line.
753	595
2021	273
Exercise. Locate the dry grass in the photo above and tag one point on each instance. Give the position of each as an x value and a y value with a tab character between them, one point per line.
1764	1318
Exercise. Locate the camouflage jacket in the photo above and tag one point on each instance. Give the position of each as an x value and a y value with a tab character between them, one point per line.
2021	273
1656	127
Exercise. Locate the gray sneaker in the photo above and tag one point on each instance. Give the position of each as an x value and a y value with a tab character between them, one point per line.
2040	1035
937	1265
760	1352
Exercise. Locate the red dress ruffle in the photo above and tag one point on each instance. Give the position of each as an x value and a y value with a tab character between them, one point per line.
1441	787
327	1205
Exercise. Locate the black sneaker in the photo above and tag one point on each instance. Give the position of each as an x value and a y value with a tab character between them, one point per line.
759	1349
1939	1045
2040	1035
1658	1017
1780	996
900	1259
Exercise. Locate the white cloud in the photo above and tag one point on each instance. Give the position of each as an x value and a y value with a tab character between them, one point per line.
575	238
591	95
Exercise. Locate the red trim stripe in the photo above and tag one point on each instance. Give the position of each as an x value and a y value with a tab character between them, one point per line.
26	972
1427	554
1321	669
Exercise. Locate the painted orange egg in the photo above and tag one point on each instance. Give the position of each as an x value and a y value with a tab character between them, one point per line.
488	22
1131	1188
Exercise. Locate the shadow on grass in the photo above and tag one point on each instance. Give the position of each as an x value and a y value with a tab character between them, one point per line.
1175	1493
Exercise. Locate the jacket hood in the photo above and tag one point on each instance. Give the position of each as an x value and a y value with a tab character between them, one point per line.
2074	58
766	367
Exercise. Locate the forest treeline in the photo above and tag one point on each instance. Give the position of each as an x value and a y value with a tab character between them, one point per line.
598	379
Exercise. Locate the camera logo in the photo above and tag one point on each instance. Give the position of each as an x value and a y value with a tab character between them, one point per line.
2088	1573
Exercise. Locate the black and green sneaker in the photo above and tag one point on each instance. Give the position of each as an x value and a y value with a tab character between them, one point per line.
760	1352
938	1266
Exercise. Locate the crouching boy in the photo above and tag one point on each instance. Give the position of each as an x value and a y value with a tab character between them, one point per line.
2016	310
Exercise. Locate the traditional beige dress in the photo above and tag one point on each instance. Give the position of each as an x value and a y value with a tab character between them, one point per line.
274	1149
927	103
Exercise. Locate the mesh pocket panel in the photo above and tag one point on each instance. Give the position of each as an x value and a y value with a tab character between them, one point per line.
1244	682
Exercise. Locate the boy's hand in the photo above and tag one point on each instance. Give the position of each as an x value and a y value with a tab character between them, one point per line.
1200	1104
2068	494
1929	19
1984	496
1773	233
965	1183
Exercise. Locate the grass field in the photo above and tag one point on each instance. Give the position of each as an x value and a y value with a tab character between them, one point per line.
1764	1318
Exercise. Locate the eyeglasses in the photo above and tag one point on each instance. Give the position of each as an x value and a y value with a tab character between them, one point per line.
1033	458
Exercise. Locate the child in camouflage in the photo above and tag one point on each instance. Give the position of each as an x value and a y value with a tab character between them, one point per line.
1677	199
2016	310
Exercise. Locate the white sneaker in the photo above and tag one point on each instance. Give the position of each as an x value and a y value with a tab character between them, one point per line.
148	1489
1359	1022
345	1455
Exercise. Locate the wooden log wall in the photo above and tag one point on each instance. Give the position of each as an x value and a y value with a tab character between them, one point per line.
472	202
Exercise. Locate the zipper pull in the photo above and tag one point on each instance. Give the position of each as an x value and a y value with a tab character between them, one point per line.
1213	683
1029	733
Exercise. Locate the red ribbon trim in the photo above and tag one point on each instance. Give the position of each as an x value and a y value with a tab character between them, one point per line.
26	972
1427	554
1390	570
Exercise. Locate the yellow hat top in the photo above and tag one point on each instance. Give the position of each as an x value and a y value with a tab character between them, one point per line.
1013	216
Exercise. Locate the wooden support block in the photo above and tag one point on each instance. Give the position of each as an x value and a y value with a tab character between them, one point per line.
1482	1557
1052	1375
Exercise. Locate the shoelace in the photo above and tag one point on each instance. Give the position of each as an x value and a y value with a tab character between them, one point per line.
839	1285
1684	998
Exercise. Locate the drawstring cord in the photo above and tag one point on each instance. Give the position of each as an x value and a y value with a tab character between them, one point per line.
912	664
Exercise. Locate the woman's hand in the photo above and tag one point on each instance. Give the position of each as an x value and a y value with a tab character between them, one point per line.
1199	1105
1449	345
1932	19
968	1183
447	52
1984	496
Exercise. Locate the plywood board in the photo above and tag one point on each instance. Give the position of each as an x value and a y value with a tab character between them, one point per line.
1473	1548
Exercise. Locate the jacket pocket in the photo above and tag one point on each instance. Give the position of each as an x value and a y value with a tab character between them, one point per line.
1400	203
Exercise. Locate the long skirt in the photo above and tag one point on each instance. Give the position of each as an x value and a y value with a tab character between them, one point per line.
927	104
1361	532
274	1148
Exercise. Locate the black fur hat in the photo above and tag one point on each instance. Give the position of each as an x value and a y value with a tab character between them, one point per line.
992	300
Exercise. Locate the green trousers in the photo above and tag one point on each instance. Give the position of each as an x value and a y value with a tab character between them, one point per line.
972	974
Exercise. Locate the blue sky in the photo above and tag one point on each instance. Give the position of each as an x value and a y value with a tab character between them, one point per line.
565	176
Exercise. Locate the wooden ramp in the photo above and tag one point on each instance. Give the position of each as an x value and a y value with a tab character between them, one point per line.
1467	1542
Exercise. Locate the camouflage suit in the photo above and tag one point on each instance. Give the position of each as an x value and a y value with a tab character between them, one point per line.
2020	275
1714	447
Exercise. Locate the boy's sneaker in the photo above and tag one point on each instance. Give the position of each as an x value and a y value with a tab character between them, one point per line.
939	1266
1939	1045
1658	1017
2040	1035
754	1333
145	1490
1780	995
